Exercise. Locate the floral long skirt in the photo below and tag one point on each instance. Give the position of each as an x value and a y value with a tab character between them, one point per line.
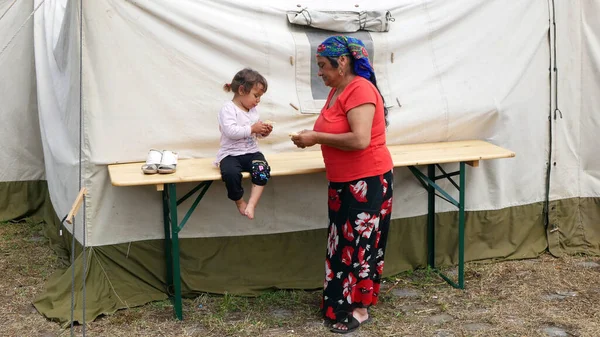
359	221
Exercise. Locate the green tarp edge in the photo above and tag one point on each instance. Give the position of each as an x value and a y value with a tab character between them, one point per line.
24	199
128	275
574	227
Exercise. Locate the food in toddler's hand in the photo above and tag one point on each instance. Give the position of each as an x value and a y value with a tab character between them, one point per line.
269	122
293	134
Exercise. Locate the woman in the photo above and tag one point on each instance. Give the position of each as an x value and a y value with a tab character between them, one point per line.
351	130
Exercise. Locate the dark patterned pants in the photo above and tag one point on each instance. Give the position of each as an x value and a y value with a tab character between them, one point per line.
233	166
359	220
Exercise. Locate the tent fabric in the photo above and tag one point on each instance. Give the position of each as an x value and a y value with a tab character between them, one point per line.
578	232
132	274
575	117
107	292
56	43
23	193
21	156
157	84
24	199
376	21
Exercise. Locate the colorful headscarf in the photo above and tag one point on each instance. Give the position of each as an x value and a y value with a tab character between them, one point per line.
336	46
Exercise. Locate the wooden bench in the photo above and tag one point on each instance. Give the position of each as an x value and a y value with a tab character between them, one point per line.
202	170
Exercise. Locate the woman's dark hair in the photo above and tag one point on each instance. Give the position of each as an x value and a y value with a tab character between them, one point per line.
373	79
246	78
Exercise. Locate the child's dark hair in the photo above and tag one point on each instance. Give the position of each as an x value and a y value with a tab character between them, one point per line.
246	78
373	79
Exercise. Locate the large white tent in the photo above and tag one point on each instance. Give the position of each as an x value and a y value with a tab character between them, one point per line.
116	78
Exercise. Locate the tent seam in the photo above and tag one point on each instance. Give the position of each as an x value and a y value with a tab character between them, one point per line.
110	283
9	7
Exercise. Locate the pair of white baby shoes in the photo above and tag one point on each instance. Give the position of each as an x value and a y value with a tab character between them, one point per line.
160	162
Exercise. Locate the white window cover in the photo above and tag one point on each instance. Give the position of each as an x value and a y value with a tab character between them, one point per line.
342	21
312	92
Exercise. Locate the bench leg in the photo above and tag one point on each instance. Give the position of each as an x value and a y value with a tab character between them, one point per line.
167	229
431	218
175	251
461	227
172	227
428	182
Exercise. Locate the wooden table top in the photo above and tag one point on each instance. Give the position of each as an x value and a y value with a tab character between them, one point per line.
311	161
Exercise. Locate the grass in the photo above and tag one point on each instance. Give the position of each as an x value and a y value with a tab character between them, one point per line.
504	298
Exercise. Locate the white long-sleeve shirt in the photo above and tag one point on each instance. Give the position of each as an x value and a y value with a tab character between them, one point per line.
235	125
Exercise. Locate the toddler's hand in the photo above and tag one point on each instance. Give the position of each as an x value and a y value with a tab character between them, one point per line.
260	128
269	130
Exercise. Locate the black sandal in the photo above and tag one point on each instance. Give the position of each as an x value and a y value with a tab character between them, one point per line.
351	325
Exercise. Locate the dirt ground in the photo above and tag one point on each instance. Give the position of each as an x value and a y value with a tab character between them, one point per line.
546	296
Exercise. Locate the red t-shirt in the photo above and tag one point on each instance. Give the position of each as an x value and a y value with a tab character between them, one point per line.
344	166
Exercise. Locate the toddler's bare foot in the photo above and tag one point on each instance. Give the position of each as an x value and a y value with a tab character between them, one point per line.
249	211
241	205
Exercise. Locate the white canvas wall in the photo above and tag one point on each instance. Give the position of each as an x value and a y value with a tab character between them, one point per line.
57	68
21	156
473	70
590	102
575	136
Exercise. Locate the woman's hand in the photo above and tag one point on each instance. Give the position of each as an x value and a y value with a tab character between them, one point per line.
305	138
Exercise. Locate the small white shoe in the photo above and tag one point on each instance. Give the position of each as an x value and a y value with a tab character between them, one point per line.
152	161
168	163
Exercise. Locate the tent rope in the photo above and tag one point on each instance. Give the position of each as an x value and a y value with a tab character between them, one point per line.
553	68
72	276
80	160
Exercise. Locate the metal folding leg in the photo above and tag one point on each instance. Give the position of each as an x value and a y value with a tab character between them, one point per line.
428	182
431	218
172	228
167	228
